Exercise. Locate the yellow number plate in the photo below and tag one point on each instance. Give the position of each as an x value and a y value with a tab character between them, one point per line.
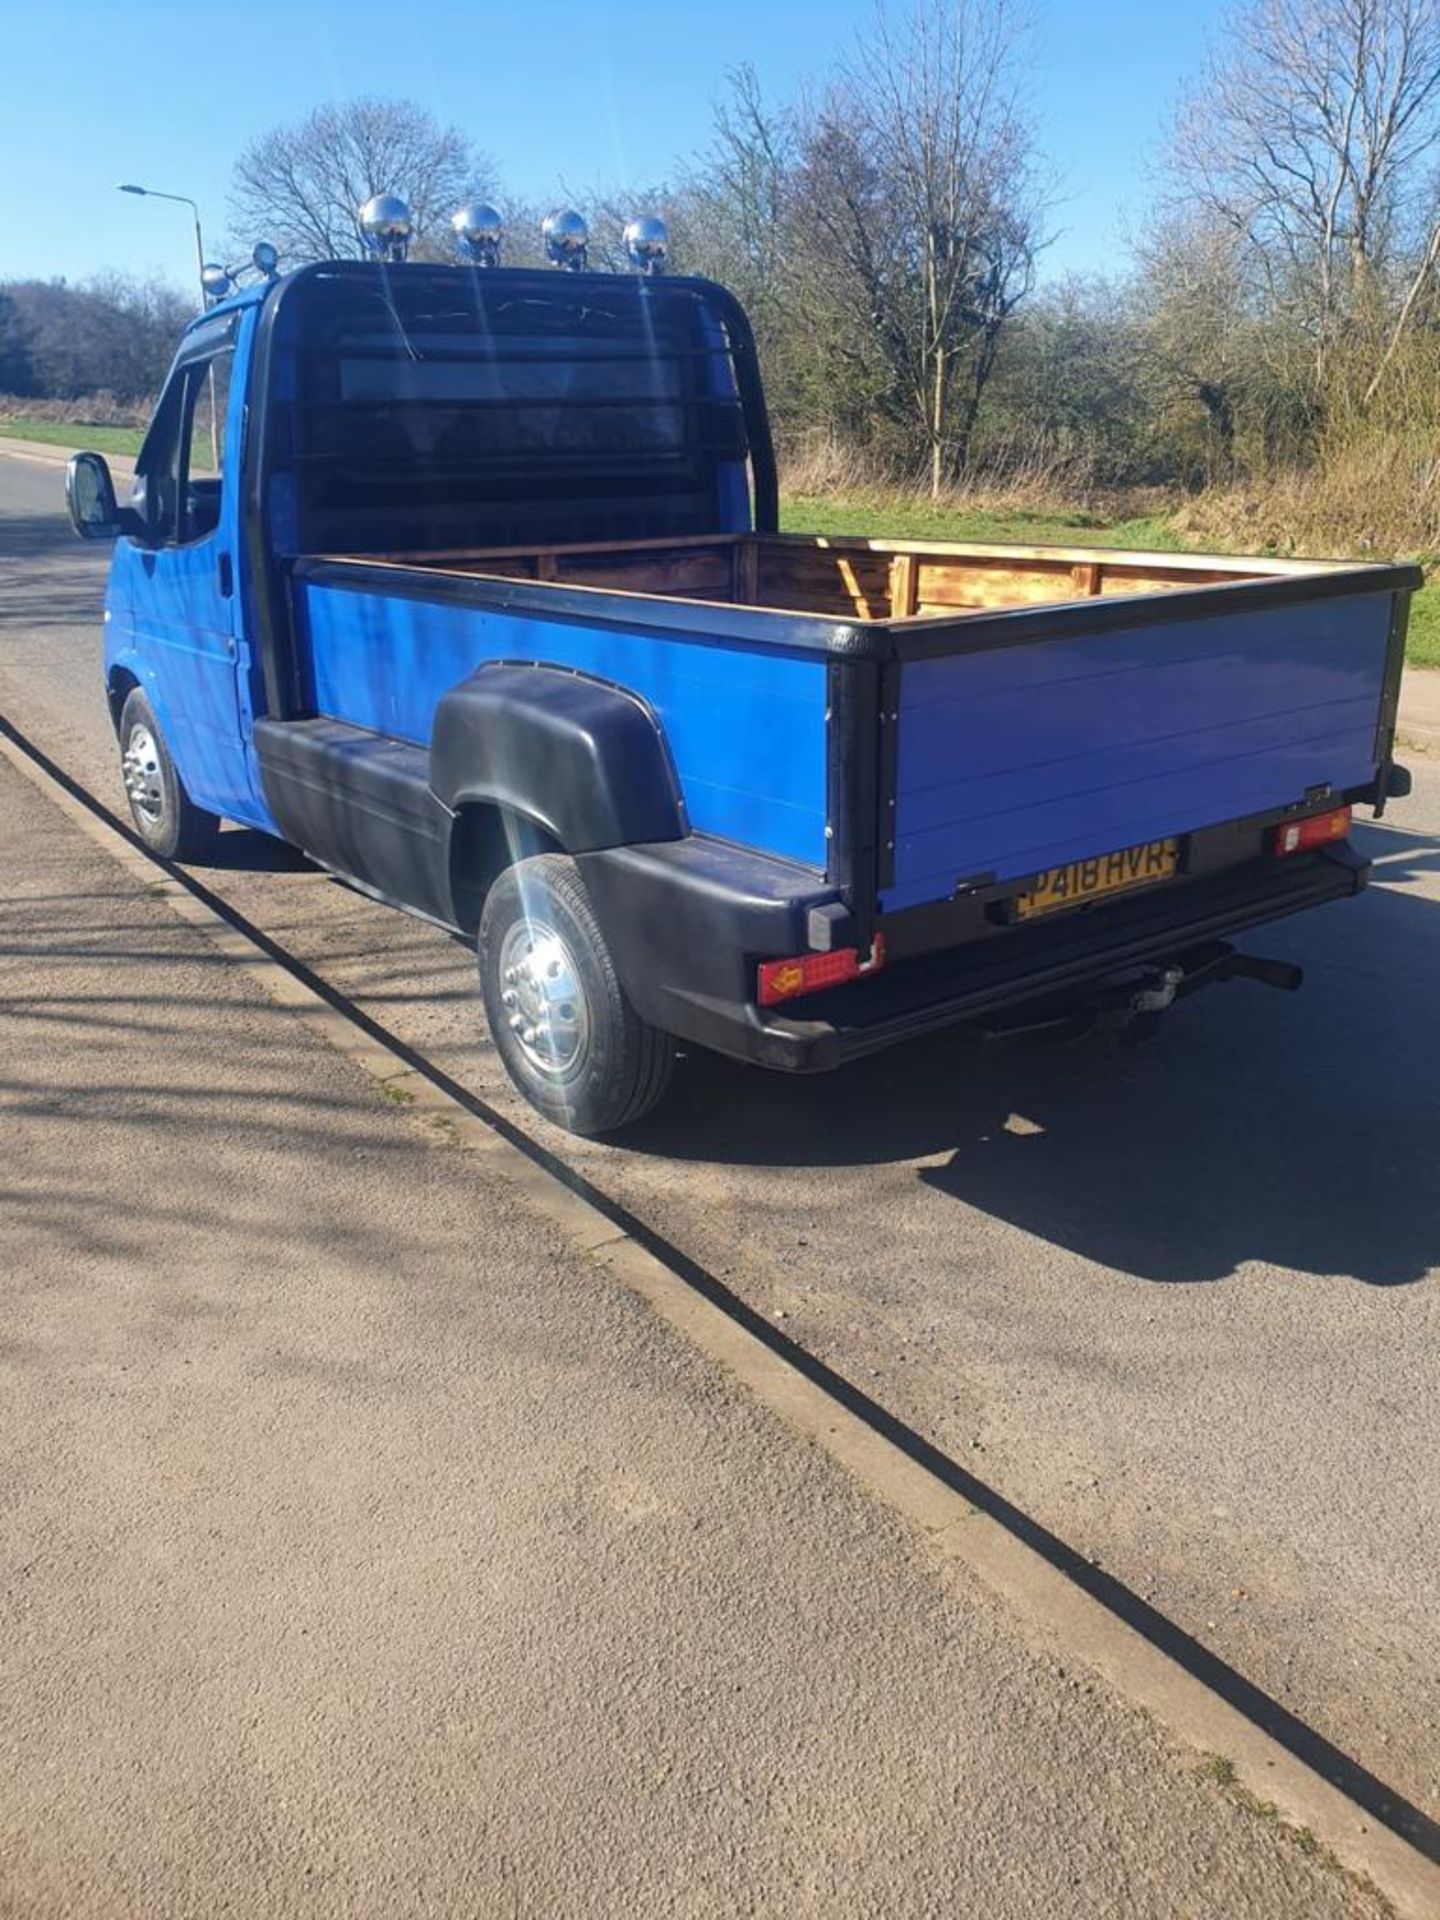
1108	873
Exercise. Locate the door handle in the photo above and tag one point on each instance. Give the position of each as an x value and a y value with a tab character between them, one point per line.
227	576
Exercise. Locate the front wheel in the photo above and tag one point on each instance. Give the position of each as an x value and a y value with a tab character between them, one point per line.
570	1040
166	818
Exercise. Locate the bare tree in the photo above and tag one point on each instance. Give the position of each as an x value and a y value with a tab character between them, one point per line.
740	216
1203	346
728	216
301	185
1314	135
738	197
916	171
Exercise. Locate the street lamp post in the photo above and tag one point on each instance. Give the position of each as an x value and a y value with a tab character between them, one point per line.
183	200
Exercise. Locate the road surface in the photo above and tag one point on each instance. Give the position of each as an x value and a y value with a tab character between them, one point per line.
1178	1302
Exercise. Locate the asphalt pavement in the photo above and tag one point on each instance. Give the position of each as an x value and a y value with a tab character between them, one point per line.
1179	1302
366	1551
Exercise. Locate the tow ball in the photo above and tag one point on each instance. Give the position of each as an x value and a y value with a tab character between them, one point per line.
1135	1009
1132	1007
1160	993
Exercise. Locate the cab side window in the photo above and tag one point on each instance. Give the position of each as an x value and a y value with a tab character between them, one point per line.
181	466
158	470
208	401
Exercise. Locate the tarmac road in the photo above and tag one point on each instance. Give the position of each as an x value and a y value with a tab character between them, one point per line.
366	1550
1178	1302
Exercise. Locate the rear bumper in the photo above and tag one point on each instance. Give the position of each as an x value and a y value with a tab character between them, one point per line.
1082	956
686	928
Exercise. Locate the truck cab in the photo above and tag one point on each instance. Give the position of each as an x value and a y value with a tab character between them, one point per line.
175	624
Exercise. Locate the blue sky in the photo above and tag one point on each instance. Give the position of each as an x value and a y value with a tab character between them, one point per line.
559	91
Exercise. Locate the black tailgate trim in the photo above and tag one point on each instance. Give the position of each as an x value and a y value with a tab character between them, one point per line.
948	989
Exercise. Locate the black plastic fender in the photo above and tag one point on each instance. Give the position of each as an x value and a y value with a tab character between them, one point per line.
583	759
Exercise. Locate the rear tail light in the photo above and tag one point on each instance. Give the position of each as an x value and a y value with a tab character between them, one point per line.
1298	836
813	972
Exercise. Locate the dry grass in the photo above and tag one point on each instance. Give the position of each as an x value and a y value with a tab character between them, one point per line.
816	464
1021	474
1371	492
1377	495
94	410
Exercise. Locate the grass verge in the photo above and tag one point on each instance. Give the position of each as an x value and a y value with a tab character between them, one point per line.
1422	646
74	433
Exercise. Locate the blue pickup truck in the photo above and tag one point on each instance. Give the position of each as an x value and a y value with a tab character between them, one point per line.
483	604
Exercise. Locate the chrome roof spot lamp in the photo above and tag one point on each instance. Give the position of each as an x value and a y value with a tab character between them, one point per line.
220	282
567	239
478	231
647	243
386	228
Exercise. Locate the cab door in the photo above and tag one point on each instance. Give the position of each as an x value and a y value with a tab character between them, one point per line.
180	578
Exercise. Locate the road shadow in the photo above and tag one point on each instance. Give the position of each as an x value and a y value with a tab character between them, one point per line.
48	578
1298	1131
248	850
34	536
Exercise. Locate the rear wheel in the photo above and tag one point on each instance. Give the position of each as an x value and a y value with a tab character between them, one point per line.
570	1040
166	818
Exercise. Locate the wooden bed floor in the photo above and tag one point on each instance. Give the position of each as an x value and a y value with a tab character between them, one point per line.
852	579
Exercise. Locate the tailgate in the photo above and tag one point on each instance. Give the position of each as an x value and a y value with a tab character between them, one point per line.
1032	739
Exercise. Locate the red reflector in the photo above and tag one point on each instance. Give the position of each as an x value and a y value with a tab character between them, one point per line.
1296	836
812	972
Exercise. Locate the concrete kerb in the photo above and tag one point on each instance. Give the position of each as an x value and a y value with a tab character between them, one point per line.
1055	1614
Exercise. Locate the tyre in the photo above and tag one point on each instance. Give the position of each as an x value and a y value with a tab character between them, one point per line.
570	1040
166	818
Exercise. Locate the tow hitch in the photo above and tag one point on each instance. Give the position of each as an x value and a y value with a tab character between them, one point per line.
1161	992
1132	1006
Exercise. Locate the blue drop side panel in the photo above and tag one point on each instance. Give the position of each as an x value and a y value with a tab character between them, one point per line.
1022	758
746	727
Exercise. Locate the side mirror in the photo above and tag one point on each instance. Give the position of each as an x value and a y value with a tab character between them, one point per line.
90	497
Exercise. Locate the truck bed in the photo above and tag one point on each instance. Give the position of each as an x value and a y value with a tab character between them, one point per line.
923	722
850	578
